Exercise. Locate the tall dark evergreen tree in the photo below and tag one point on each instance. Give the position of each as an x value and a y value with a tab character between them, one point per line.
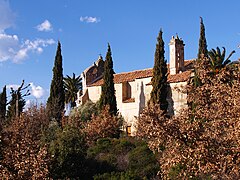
55	102
159	79
108	92
3	103
202	49
202	52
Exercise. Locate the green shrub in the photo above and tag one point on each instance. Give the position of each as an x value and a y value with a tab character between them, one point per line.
50	134
125	155
124	145
115	176
143	162
102	146
175	170
84	112
68	150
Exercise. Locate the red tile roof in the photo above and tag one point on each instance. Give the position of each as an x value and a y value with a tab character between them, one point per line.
138	74
180	77
127	77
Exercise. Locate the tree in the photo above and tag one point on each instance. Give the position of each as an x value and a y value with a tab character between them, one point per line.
202	48
72	85
55	102
202	53
84	112
67	149
24	157
204	143
3	103
217	59
108	92
159	79
17	102
102	126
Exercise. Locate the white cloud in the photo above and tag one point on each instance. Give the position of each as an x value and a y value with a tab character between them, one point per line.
27	105
89	19
8	43
28	46
45	26
11	49
37	91
7	16
39	50
10	46
21	54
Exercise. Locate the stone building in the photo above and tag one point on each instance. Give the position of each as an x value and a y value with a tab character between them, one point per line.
133	88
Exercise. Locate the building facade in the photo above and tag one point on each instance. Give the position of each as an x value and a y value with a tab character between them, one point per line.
133	88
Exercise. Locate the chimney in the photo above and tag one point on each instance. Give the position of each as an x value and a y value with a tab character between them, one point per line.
176	47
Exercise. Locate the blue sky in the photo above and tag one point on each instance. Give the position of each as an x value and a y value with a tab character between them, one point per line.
29	31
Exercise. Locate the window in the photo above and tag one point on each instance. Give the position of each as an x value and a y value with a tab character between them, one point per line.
127	93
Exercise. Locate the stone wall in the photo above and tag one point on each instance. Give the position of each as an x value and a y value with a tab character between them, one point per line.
140	95
178	96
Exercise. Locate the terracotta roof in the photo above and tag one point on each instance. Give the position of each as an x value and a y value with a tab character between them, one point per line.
138	74
180	77
127	77
188	62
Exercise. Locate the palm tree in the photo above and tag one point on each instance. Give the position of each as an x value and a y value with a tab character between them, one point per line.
217	59
72	85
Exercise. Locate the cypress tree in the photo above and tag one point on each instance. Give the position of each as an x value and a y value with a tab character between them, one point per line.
159	79
202	49
202	52
108	92
55	102
3	103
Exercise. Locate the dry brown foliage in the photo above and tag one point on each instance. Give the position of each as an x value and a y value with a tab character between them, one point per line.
102	126
23	156
203	141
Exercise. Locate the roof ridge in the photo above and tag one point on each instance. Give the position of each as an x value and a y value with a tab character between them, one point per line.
188	60
134	71
145	73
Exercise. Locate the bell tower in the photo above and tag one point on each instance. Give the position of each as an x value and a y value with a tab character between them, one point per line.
176	47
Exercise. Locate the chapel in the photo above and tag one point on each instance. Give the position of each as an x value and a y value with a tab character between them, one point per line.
132	89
